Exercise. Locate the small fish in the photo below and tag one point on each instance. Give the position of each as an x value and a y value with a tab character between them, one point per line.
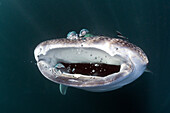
119	35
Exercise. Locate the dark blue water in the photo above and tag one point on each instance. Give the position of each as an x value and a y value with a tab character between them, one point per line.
26	23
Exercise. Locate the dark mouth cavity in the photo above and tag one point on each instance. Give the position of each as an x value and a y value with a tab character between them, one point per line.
91	69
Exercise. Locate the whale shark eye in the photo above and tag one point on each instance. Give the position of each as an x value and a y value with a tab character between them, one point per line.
83	32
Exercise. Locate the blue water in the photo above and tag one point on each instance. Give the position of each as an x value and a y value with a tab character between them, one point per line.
26	23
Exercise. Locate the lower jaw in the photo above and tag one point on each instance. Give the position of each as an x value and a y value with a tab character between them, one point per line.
79	80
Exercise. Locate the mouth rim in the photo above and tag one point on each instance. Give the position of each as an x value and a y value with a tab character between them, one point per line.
79	80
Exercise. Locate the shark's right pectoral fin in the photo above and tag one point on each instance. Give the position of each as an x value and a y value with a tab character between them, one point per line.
63	89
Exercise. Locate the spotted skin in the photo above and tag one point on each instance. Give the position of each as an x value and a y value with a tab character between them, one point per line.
99	39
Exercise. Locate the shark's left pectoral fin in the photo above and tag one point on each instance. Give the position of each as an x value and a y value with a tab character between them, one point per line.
63	89
148	71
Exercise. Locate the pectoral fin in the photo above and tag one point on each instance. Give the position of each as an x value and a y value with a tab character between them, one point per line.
63	89
148	71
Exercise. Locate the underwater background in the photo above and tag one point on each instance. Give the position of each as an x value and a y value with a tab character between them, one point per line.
26	23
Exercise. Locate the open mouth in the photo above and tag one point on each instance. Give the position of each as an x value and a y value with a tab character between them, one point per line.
82	61
90	69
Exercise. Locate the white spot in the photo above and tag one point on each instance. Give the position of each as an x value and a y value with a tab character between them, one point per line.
56	73
96	65
68	69
73	69
72	80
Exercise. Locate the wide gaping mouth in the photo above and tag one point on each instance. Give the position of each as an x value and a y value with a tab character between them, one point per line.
82	61
89	69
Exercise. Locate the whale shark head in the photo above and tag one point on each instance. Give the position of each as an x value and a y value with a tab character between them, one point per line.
96	64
